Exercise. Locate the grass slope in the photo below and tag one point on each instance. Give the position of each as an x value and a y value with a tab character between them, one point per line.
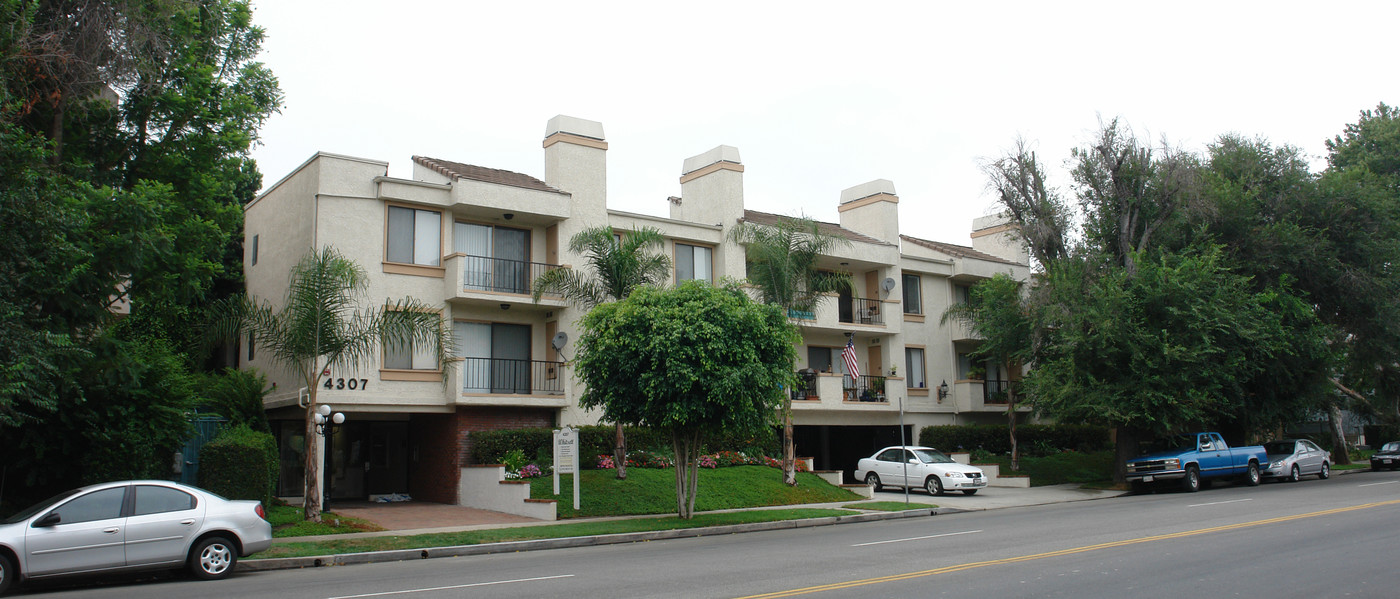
653	491
1060	468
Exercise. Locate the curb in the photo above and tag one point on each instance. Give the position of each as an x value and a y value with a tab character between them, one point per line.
396	555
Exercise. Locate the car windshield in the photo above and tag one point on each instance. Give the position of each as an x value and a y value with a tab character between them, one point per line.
1278	447
41	506
1392	446
932	456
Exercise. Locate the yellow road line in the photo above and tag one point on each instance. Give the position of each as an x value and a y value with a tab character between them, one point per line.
1084	549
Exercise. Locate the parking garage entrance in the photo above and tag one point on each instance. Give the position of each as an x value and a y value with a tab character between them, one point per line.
840	447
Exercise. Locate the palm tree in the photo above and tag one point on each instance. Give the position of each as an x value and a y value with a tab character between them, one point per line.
998	313
782	264
321	326
617	265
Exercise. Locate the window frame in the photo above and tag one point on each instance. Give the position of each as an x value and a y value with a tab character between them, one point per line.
918	292
676	262
413	245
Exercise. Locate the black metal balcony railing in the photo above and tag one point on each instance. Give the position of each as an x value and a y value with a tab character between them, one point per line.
806	385
994	391
863	311
518	377
500	274
866	387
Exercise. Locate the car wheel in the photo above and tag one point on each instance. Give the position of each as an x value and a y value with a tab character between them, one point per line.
1326	471
1294	474
1192	481
873	480
213	558
8	573
969	491
933	485
1251	476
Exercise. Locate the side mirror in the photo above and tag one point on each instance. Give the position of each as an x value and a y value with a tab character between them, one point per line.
913	460
49	519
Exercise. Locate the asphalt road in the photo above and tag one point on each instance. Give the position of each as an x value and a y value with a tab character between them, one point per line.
1333	538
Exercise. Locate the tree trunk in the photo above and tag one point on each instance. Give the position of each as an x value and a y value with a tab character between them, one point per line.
1341	453
789	448
685	445
620	454
311	494
1125	448
1011	426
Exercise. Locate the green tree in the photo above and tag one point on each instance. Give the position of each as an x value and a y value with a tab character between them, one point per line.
782	263
322	325
997	312
618	264
694	360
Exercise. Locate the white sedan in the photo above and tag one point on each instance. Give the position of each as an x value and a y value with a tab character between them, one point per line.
130	525
911	466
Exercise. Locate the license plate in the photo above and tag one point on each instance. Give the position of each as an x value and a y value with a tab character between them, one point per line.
1147	479
1386	461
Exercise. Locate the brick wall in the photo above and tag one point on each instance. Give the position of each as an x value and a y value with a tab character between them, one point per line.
498	418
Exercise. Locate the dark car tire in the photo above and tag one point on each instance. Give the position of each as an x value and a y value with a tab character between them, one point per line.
873	480
1192	481
933	485
1326	472
969	491
213	558
1251	475
8	573
1295	474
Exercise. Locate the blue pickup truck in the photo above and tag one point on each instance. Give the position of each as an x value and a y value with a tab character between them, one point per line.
1197	459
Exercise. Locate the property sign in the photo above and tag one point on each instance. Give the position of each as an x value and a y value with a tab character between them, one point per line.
566	458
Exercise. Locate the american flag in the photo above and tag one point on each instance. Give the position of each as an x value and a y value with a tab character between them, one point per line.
849	355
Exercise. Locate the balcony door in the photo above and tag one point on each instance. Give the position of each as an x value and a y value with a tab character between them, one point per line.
495	357
498	258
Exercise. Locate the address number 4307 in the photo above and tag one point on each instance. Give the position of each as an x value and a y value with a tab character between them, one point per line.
351	384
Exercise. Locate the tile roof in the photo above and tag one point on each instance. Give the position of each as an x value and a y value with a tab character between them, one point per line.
457	170
957	251
832	230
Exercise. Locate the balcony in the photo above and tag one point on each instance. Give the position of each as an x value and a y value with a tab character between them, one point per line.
843	314
806	386
507	382
865	388
496	280
862	310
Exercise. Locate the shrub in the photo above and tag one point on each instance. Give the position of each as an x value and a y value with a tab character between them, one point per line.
238	465
1033	439
490	446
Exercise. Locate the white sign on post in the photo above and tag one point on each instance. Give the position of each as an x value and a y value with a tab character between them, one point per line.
566	458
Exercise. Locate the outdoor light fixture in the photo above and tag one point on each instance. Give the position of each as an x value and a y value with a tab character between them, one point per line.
509	215
943	390
505	306
325	426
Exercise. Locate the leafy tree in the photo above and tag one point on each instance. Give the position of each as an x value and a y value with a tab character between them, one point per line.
618	264
321	325
238	396
694	360
782	264
997	312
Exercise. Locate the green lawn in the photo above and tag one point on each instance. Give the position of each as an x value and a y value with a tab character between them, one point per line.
527	533
287	521
653	491
1060	468
889	506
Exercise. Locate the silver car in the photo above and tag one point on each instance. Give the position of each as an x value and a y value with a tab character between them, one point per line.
915	467
130	525
1292	459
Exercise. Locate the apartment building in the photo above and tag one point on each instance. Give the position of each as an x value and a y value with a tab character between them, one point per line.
470	239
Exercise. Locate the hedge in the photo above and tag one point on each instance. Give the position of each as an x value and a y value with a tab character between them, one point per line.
1032	439
596	440
239	464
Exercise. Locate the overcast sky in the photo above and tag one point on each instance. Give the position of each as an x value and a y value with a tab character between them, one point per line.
817	96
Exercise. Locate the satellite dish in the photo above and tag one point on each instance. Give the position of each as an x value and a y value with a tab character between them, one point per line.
888	284
559	341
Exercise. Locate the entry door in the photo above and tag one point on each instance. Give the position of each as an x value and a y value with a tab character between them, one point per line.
845	309
512	257
510	358
387	469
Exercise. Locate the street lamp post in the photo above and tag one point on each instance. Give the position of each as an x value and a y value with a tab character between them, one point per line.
326	420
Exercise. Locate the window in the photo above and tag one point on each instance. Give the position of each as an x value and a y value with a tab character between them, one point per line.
100	505
914	367
912	303
415	236
407	356
255	250
693	262
495	357
960	294
151	499
890	455
826	359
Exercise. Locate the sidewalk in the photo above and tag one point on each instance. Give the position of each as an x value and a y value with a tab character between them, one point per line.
420	518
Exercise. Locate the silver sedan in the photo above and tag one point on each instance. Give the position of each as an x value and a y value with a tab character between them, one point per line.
1292	459
130	525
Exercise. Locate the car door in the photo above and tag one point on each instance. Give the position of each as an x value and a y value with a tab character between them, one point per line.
162	524
1208	454
1312	457
886	466
88	536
